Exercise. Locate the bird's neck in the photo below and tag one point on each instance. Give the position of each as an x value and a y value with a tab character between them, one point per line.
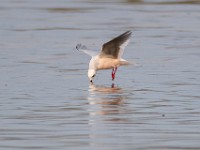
93	63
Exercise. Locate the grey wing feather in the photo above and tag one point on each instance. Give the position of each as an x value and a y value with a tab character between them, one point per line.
115	47
84	49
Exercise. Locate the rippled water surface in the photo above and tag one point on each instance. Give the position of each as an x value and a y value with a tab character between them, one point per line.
46	101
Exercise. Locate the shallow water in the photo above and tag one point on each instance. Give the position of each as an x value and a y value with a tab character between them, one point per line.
46	101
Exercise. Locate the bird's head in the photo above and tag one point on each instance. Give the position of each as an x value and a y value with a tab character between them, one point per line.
91	74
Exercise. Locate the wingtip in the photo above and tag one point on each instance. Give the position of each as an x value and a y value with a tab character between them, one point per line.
78	46
128	32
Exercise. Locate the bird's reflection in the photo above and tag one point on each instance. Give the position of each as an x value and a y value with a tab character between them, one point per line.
105	100
107	106
104	89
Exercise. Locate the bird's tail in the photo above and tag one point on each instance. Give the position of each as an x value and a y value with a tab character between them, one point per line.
124	62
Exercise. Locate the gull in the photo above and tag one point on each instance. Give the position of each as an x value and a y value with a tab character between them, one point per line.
109	57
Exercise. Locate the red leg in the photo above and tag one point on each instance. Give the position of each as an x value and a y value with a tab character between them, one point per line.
113	73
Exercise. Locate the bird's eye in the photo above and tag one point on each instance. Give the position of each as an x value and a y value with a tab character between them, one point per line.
93	76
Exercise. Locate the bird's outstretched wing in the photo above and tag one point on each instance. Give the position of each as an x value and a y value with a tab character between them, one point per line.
115	47
84	49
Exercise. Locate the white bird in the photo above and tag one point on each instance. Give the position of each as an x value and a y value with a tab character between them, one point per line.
109	57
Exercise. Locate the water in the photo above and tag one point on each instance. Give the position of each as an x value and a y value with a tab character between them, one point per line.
46	101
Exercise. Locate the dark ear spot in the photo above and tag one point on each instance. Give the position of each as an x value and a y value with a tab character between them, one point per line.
93	76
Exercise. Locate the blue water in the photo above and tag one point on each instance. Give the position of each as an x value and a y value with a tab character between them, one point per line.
47	102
